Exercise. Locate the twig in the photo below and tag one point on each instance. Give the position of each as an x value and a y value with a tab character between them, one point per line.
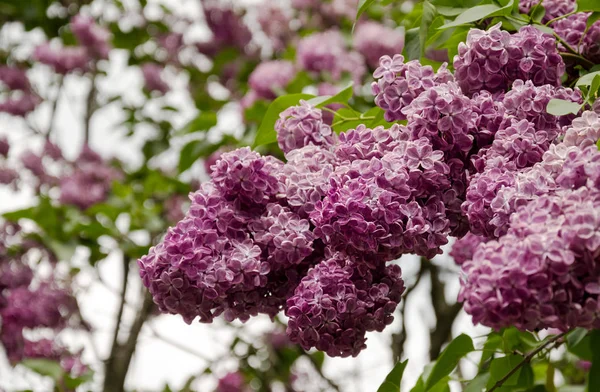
560	17
115	341
90	109
554	340
54	107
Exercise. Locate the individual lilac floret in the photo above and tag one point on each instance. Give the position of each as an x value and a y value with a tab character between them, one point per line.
443	115
464	248
302	125
271	77
553	8
400	83
529	102
14	78
90	35
336	304
374	40
539	276
584	131
284	236
521	143
153	79
247	177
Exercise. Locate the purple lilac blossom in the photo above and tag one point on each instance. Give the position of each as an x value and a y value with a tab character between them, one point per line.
91	36
20	105
4	147
227	26
153	79
553	8
464	248
399	83
62	59
302	125
14	78
539	275
338	302
231	382
374	40
271	77
491	60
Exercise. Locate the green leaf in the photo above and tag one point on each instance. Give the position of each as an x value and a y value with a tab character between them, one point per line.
538	12
473	14
45	367
560	107
394	378
427	17
500	367
458	348
478	383
196	149
266	132
594	376
493	343
412	46
588	5
342	97
576	336
363	5
582	349
593	18
586	80
203	122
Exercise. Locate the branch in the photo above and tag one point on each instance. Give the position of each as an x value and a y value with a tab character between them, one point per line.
115	341
91	108
445	314
54	107
556	340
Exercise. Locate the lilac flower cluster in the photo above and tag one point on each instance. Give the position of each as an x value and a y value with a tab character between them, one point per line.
91	36
20	99
575	32
227	27
28	302
553	8
400	83
153	79
327	53
491	60
302	125
90	181
338	302
271	77
374	40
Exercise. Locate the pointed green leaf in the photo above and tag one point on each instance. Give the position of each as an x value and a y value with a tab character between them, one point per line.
560	107
456	349
394	378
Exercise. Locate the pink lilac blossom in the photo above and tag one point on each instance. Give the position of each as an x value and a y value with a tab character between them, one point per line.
14	78
275	23
521	142
20	105
270	78
553	8
528	101
302	125
91	36
231	382
4	147
374	40
227	27
540	274
491	60
338	302
63	60
153	79
400	83
464	248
